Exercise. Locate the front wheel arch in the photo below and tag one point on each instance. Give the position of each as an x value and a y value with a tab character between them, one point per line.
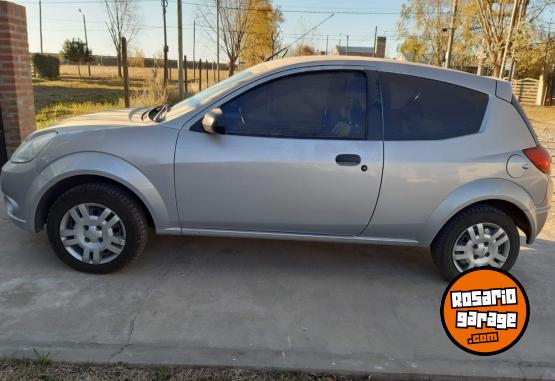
52	194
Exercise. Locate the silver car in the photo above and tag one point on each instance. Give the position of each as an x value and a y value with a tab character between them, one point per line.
325	149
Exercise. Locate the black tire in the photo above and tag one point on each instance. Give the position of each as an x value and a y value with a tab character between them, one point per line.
119	201
442	246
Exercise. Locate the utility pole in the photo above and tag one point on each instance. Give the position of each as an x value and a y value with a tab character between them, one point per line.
218	39
347	50
164	6
86	40
194	47
327	39
521	15
547	48
508	41
179	50
125	71
375	41
40	24
451	35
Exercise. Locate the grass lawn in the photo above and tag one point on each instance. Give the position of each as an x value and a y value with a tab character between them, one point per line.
72	95
55	100
23	370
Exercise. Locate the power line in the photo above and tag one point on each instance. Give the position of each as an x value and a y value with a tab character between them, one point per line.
361	11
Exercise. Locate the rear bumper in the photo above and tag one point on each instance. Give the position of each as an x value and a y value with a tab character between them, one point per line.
540	215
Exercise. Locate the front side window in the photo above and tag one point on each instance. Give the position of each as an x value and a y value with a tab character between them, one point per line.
416	108
318	105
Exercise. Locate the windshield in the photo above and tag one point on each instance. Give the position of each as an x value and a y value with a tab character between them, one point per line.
201	97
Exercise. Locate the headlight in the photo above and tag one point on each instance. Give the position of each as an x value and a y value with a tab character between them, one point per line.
31	147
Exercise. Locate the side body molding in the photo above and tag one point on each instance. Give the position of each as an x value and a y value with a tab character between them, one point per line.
163	211
474	192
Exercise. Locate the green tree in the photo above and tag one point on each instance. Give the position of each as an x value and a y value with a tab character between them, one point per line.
413	48
424	21
263	36
76	52
535	53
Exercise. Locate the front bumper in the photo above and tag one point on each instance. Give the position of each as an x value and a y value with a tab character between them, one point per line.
18	186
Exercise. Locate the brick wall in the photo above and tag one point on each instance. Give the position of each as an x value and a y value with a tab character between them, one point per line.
16	87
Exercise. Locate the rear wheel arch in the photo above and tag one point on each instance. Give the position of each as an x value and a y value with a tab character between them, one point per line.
512	210
502	194
56	190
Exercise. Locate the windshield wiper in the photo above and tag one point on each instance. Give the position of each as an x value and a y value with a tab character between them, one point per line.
148	110
161	112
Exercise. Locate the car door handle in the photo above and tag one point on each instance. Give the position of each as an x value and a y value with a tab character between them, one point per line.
347	159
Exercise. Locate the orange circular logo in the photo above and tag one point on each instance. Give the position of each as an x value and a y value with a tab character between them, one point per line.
485	311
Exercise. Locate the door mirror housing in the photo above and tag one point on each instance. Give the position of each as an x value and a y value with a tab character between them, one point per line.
213	122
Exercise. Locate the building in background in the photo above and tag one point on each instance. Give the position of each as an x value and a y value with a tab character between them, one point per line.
380	47
361	51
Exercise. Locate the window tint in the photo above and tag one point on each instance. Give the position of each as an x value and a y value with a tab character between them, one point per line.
423	109
313	105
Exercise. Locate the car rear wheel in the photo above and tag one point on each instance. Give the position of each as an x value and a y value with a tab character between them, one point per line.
96	228
480	236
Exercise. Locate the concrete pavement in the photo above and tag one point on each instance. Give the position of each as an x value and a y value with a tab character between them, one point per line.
256	303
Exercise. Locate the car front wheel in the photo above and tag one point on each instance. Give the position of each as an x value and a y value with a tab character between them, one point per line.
479	236
96	228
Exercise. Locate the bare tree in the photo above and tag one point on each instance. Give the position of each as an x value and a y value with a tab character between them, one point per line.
122	22
494	18
234	22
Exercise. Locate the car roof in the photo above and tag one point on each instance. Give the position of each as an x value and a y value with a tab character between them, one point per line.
483	84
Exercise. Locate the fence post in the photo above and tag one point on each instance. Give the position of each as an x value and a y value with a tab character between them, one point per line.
125	71
540	94
185	75
199	75
206	70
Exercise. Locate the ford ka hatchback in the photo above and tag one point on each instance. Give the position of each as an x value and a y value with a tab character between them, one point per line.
327	149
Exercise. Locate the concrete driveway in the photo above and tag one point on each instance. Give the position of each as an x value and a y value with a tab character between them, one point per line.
256	303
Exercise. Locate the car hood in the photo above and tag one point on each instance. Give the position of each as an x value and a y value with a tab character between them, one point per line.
130	117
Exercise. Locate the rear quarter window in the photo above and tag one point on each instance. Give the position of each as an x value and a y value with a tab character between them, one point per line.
525	119
418	108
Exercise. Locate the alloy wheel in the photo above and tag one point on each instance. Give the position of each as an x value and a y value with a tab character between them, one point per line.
482	244
92	233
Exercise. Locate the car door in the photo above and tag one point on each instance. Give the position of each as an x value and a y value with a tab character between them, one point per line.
302	153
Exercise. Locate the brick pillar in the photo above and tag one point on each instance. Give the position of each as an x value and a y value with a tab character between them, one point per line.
16	87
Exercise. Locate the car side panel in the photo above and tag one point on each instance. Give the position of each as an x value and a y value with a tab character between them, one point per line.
139	158
420	175
474	192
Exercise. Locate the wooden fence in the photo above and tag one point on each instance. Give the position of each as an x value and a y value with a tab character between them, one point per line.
526	90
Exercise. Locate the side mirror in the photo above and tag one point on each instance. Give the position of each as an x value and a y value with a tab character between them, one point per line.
212	122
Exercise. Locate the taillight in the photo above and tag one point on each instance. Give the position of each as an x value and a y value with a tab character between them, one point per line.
540	157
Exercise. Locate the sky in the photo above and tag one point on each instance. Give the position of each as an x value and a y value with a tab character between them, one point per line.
62	20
